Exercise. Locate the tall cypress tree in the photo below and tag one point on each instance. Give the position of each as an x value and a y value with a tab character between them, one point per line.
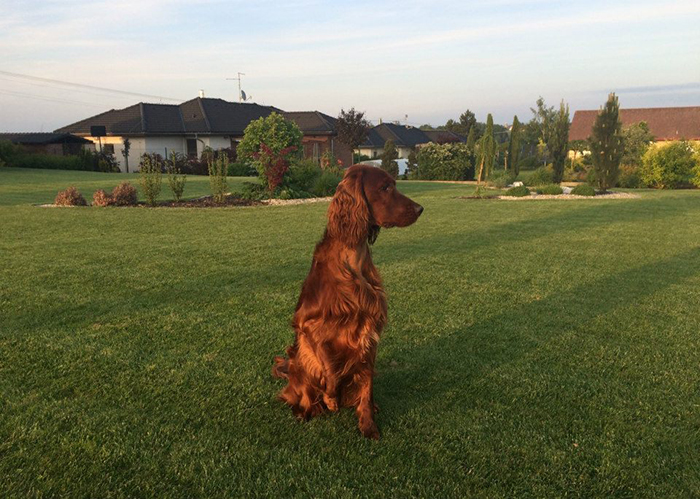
558	141
607	144
471	138
513	154
487	149
389	157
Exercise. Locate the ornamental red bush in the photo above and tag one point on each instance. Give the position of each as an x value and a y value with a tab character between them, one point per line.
101	198
275	165
70	197
124	195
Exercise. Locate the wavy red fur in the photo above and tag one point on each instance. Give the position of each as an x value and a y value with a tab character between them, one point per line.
342	308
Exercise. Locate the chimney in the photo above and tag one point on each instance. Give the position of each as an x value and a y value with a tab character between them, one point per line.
201	94
380	121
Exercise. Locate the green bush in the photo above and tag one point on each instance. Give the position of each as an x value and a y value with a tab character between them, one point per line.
241	169
518	192
529	163
326	184
668	167
218	168
541	176
583	190
150	172
277	134
549	189
500	179
451	161
629	178
254	192
302	175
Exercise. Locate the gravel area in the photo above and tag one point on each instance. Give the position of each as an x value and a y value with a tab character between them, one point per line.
569	197
282	202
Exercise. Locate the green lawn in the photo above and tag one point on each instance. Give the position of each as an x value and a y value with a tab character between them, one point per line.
534	349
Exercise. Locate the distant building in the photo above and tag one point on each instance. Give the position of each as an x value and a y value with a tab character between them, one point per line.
320	135
189	127
60	144
665	123
406	138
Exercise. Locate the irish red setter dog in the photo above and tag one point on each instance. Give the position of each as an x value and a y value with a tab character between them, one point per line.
342	308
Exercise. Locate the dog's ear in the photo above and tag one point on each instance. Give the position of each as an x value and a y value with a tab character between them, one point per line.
348	214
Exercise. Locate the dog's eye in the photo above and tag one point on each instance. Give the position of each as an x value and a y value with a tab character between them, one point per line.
386	187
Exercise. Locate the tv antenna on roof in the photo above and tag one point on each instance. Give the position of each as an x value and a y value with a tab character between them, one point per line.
242	97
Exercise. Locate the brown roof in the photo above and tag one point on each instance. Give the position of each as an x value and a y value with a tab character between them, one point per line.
665	123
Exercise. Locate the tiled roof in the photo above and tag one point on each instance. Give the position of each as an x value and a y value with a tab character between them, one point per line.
200	115
444	136
313	122
404	136
41	138
665	123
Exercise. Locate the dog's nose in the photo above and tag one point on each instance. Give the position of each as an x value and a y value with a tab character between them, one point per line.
419	209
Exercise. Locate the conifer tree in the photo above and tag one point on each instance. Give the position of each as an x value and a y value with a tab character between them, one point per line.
558	141
513	154
607	144
471	138
389	157
487	151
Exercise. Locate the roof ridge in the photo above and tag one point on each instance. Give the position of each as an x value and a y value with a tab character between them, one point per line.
204	114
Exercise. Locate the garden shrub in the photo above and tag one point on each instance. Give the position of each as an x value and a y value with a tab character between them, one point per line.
151	170
330	162
276	134
326	184
70	197
218	168
529	163
518	192
541	176
101	198
450	161
124	195
668	167
629	178
176	180
241	169
302	175
273	165
500	179
696	169
583	190
254	192
549	189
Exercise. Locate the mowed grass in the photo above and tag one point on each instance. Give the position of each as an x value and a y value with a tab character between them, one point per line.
534	349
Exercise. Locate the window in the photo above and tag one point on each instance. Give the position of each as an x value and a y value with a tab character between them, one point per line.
192	148
108	148
316	152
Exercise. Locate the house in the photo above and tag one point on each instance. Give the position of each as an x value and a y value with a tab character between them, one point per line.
189	127
320	135
406	138
186	128
665	123
60	144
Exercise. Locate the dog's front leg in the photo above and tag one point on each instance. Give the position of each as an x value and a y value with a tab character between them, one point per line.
365	406
330	378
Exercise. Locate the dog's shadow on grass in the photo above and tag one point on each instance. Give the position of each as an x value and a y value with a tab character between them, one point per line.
463	357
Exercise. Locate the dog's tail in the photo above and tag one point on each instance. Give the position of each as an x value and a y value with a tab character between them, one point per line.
281	368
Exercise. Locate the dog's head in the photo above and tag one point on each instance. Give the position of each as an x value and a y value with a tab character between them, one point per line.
365	200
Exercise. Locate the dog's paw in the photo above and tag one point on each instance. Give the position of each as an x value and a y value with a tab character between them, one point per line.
331	403
370	431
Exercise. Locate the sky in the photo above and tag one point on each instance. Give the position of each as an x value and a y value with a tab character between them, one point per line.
414	61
